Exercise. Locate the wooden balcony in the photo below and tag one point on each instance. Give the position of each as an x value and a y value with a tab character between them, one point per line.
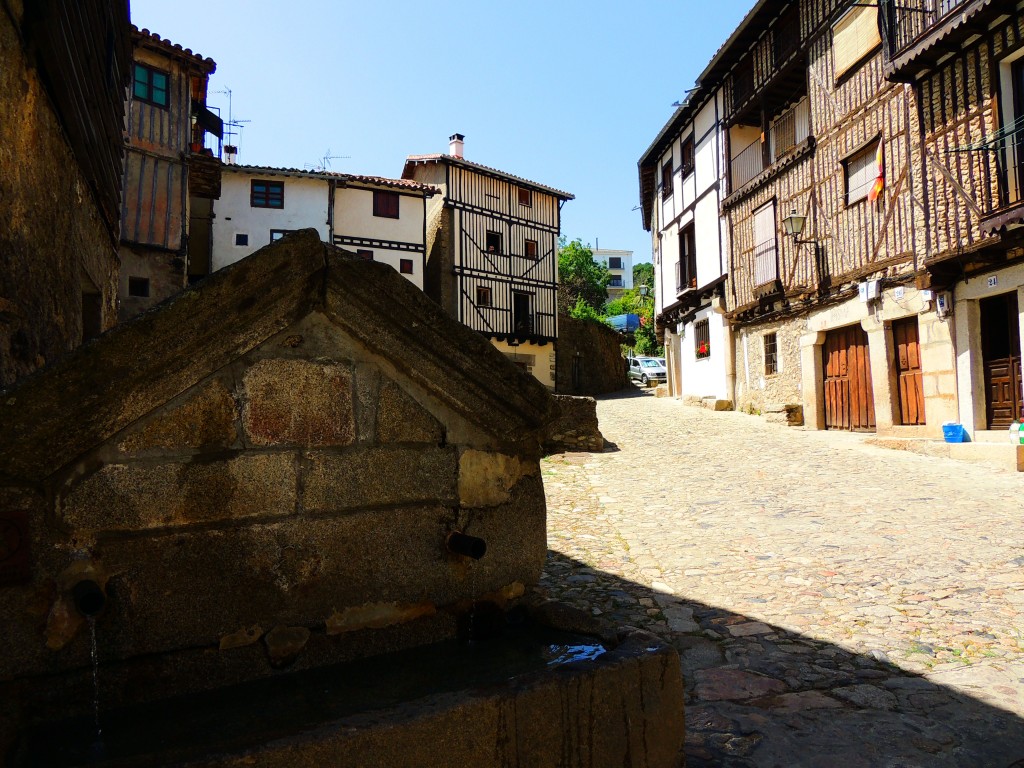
766	269
922	32
204	175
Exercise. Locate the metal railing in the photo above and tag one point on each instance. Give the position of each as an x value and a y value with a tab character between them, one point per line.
790	128
911	19
746	165
766	263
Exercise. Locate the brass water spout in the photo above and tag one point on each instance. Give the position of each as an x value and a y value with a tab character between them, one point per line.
463	544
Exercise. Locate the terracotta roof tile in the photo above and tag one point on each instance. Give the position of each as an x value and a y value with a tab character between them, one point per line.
413	160
345	178
162	43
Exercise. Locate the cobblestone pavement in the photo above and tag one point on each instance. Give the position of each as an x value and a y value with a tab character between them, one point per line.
834	603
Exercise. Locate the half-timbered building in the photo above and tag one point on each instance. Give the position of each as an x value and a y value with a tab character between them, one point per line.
170	176
964	60
825	239
377	218
681	180
492	254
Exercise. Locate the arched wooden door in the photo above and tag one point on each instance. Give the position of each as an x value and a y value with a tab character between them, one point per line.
849	398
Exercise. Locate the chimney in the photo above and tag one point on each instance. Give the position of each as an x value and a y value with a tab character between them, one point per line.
230	154
455	144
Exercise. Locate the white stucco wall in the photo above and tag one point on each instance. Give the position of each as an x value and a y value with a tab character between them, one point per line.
704	377
305	206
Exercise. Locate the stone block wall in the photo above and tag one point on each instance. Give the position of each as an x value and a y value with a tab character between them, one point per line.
55	243
589	358
294	503
575	428
756	390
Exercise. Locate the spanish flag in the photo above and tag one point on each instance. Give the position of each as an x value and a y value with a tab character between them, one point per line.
879	184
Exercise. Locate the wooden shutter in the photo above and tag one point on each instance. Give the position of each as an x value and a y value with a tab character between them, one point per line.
854	36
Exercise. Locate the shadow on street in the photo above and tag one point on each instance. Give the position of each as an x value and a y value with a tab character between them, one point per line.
758	695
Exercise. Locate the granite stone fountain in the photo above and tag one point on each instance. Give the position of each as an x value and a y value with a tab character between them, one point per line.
293	516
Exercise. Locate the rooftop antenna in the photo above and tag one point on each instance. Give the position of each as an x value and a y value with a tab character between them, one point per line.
325	162
232	128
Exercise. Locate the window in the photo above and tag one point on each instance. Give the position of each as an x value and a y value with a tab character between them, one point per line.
150	85
277	234
385	204
687	157
522	313
364	254
492	243
854	36
405	266
702	339
615	262
266	194
861	170
771	354
531	249
241	238
525	197
687	272
483	296
666	180
766	263
615	282
138	286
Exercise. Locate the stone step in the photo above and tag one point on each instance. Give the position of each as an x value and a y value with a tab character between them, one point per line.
1006	455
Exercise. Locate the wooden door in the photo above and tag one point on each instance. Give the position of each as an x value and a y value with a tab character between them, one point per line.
849	398
907	347
1000	351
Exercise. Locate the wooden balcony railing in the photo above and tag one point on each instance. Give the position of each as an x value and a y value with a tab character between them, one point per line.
912	19
746	165
788	130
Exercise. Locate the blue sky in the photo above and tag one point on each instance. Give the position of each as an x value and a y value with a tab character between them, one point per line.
562	92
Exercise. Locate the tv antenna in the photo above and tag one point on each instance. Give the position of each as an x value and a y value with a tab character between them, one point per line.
324	163
232	129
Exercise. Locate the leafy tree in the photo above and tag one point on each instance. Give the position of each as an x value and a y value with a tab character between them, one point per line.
583	311
580	277
643	274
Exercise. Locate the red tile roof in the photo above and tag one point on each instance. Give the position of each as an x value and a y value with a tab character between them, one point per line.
414	160
344	178
152	39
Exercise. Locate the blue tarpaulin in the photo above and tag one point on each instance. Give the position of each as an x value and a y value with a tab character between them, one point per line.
624	323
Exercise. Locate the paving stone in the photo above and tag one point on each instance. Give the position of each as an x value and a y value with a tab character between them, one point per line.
807	592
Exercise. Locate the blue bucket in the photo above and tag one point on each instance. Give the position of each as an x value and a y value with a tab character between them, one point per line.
953	433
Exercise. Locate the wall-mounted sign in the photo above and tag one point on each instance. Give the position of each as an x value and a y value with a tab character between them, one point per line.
15	565
993	281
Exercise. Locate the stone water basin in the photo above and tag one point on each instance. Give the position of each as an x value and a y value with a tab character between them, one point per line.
535	696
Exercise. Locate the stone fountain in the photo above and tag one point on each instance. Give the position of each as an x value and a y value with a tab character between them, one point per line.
271	521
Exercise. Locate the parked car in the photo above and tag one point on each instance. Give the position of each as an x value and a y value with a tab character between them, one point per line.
647	370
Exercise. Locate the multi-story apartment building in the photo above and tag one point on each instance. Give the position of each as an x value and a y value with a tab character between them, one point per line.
620	267
964	62
168	173
376	218
681	182
492	254
65	67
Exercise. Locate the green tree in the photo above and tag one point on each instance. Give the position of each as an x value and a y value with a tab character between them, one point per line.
643	274
580	277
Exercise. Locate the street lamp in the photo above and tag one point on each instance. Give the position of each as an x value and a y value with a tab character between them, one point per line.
794	227
643	291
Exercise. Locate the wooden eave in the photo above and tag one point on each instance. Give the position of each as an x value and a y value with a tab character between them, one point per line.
968	20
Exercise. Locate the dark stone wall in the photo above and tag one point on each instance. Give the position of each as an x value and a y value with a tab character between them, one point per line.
589	358
575	427
54	242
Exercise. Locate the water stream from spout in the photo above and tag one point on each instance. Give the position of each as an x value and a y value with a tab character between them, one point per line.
98	748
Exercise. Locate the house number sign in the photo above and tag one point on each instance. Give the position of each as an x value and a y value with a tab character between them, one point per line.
15	566
993	281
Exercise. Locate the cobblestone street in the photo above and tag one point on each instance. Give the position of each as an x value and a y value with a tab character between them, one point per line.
834	603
